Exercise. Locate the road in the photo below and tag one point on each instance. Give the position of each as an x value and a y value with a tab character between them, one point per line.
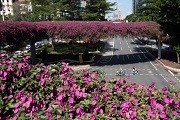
128	53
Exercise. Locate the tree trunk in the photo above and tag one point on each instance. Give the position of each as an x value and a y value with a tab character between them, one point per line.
159	49
177	57
53	43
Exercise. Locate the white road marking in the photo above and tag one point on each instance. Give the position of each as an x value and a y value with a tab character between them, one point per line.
128	47
171	73
130	50
137	46
120	42
139	56
121	48
150	62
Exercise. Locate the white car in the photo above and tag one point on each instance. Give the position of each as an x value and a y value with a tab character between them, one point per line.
18	53
28	47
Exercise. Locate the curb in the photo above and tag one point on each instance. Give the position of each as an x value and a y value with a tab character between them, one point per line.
165	66
82	67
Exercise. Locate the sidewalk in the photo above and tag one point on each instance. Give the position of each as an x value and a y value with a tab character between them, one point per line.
165	48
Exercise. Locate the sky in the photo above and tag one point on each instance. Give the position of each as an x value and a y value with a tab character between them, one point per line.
125	6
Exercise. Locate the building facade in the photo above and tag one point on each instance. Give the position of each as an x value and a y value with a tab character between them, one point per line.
7	6
136	5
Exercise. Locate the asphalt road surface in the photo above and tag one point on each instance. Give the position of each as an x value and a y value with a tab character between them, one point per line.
128	53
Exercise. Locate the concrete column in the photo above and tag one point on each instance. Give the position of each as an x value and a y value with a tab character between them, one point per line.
33	52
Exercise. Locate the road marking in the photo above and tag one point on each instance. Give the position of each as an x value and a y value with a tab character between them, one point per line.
121	48
120	42
128	47
137	46
139	56
150	62
130	50
170	72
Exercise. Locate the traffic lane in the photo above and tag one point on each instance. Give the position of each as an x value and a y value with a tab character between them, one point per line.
126	58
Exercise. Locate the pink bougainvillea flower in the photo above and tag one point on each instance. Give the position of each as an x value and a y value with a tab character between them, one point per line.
94	75
92	117
175	113
26	104
78	110
65	82
58	116
2	55
127	77
162	114
140	86
178	94
170	81
164	89
160	107
16	105
127	115
46	71
5	74
38	76
15	118
2	87
71	100
93	102
71	115
101	111
60	97
16	110
166	100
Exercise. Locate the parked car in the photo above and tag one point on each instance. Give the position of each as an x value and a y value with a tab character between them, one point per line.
28	47
18	53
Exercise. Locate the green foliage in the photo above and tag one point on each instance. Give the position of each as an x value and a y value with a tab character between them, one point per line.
177	49
96	10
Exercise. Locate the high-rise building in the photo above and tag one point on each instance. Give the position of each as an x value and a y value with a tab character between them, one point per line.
7	6
136	5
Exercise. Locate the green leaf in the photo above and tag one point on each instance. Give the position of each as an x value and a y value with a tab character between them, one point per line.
59	111
111	86
43	117
176	118
36	97
7	108
10	105
115	111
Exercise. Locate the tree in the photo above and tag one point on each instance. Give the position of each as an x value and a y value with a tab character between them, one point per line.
149	10
96	10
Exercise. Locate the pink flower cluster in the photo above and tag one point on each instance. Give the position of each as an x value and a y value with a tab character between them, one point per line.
56	91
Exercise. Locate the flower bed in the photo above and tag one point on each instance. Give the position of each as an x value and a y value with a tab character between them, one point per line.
58	92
